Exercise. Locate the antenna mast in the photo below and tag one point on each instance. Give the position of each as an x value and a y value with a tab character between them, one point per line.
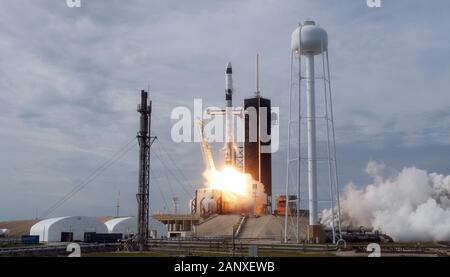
118	204
257	76
145	141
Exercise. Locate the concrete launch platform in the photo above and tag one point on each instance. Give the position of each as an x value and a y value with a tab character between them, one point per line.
266	227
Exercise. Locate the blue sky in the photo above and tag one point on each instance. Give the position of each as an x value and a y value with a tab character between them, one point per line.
70	82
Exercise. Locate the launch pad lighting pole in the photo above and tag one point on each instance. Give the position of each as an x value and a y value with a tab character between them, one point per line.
145	142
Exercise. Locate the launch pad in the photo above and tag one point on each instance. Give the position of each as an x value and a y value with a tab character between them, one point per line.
239	187
243	227
240	190
237	199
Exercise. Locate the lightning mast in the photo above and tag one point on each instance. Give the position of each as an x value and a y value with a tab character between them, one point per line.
145	141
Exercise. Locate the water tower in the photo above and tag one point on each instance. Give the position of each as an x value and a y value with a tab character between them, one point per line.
311	121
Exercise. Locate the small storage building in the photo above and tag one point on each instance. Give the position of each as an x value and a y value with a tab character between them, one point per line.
70	228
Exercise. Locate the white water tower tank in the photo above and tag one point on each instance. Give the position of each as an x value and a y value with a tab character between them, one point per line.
312	41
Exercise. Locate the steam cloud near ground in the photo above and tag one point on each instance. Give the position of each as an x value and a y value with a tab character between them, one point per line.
412	206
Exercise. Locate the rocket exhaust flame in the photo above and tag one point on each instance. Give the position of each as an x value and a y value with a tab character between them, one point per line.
229	180
237	189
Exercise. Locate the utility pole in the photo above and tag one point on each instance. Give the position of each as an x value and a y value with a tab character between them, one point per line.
175	204
145	141
118	204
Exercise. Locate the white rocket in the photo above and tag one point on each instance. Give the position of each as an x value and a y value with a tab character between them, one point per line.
230	147
230	154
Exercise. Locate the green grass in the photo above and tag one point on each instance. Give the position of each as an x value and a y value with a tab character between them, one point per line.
401	244
18	245
296	254
205	254
124	254
173	252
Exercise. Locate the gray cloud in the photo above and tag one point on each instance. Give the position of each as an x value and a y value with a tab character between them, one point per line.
70	78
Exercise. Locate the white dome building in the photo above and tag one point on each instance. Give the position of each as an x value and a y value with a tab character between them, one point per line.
70	228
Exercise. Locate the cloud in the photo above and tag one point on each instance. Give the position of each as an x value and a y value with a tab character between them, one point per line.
70	79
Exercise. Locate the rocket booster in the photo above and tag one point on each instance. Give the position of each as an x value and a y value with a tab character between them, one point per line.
229	85
230	157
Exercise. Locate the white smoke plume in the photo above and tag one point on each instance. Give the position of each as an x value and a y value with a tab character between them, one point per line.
412	206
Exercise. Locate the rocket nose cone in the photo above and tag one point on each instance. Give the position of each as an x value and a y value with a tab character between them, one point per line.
229	69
